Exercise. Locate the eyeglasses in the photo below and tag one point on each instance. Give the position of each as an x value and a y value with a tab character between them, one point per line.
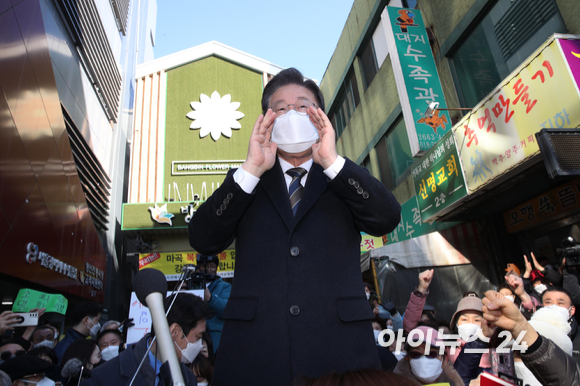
418	354
301	107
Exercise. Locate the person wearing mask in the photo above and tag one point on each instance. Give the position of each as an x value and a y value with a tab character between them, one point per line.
295	208
560	302
44	336
433	367
549	364
26	370
216	295
187	322
110	342
79	360
85	320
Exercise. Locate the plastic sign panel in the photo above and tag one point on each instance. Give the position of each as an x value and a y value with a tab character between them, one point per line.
544	207
438	178
498	134
411	226
368	242
171	263
28	299
416	76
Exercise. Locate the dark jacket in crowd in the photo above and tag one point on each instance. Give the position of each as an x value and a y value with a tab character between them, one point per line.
297	305
220	293
120	370
70	337
467	363
550	365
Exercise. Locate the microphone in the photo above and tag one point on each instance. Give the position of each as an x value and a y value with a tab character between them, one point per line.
150	287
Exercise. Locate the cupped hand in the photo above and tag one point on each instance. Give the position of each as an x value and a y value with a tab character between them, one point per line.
7	321
261	152
324	150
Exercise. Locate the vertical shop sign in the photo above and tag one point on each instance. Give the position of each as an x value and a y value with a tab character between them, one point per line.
416	76
438	178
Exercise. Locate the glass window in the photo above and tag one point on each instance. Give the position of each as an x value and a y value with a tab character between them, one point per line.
385	164
367	164
399	150
347	103
369	63
506	36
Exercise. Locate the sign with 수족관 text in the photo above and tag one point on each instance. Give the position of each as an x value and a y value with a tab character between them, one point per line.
546	206
416	77
28	299
438	178
498	134
171	263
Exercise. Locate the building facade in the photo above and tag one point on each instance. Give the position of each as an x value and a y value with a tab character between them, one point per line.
67	86
395	88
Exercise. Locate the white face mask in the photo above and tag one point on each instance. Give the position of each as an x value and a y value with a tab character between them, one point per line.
560	312
390	327
540	288
426	369
467	330
376	332
190	352
43	382
110	352
45	343
294	132
95	329
511	298
368	296
399	355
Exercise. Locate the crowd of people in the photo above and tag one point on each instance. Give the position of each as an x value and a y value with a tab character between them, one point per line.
537	309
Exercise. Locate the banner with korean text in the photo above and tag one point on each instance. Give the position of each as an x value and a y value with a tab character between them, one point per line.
499	133
416	77
171	263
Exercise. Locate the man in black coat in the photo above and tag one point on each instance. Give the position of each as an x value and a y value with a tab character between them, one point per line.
296	210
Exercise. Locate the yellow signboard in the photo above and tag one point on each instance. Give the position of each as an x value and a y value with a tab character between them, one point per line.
171	263
368	242
499	133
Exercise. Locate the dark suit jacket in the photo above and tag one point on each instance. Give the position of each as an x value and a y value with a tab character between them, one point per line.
297	305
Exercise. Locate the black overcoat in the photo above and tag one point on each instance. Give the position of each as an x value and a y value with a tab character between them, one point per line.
297	305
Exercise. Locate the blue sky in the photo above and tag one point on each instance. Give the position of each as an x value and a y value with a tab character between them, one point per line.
301	34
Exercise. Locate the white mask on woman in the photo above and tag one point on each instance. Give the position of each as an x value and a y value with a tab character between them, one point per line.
540	288
511	298
426	369
467	330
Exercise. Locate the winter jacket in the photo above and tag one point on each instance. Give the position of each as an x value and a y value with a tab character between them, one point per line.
550	365
414	311
220	293
467	364
449	375
70	337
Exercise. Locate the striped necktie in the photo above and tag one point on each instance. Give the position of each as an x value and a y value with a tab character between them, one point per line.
295	190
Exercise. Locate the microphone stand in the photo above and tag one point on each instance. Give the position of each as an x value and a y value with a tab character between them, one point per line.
181	280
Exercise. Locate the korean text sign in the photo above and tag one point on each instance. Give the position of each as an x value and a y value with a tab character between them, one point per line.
416	76
171	263
438	178
411	225
28	299
498	134
544	207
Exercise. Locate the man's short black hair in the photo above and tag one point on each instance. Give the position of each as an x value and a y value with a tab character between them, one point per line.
114	332
557	289
187	311
85	309
286	77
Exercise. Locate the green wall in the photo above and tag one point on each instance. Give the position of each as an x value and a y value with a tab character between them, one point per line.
185	84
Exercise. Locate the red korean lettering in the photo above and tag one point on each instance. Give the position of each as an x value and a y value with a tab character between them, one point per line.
471	136
497	109
522	92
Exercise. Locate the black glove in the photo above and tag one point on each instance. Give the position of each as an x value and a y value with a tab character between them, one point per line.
389	306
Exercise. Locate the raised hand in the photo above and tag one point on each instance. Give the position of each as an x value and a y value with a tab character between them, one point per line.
324	150
528	267
425	279
516	283
261	152
536	264
7	321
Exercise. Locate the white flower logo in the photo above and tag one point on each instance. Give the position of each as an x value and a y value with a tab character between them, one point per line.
216	115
